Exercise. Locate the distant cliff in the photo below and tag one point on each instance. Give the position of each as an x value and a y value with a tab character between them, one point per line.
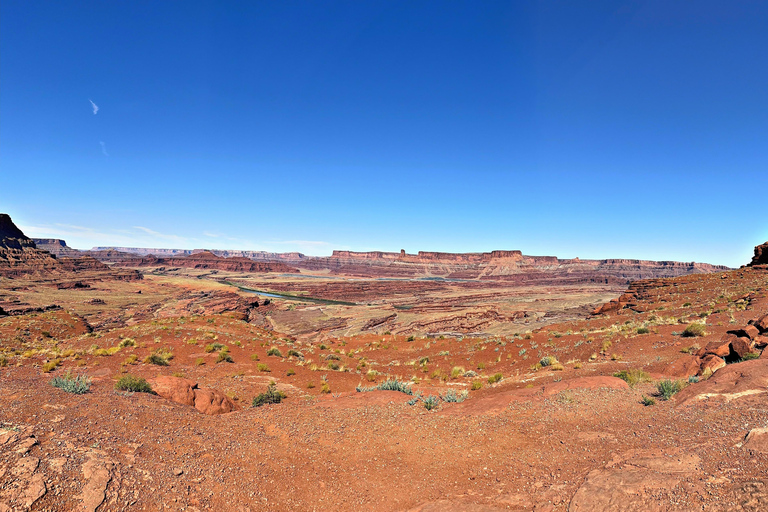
57	247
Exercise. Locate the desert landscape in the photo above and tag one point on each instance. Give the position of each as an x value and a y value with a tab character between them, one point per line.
381	381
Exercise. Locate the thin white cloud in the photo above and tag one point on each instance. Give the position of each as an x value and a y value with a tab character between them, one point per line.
104	148
94	106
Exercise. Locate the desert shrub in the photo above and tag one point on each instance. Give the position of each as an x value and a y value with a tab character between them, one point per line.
274	351
633	377
263	367
271	396
213	347
496	377
687	304
290	372
389	385
557	367
647	400
667	388
135	384
333	366
295	353
51	365
159	358
3	360
452	396
431	402
643	330
456	372
75	384
224	356
310	385
199	361
476	385
481	366
325	388
254	357
694	330
131	359
409	338
323	346
750	355
548	361
693	379
127	342
332	357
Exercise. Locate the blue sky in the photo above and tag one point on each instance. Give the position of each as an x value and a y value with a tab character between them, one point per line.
589	129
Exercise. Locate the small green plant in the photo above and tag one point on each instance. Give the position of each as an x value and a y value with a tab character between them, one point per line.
254	357
457	371
199	361
325	388
750	355
135	384
693	379
496	377
389	385
213	347
476	385
75	384
295	353
667	388
633	377
693	330
51	365
643	330
409	338
333	366
548	361
224	356
310	385
647	400
159	357
262	367
271	396
452	396
274	351
290	372
127	342
431	402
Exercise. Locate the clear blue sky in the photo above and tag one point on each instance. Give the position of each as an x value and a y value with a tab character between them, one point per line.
590	129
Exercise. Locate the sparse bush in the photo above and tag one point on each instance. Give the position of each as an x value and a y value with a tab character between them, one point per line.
693	379
548	361
667	388
633	377
271	396
213	347
476	385
496	377
254	357
274	351
224	356
75	384
409	338
456	372
127	342
333	366
310	385
290	372
135	384
295	353
199	361
51	365
371	375
159	357
325	388
750	355
3	360
694	330
643	330
453	396
647	400
431	402
263	367
389	385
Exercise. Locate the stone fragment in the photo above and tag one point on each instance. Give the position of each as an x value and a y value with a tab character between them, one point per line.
212	401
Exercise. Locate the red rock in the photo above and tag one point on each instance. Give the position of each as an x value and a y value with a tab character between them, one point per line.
761	255
741	347
761	341
684	367
712	362
175	389
762	323
749	331
757	440
718	348
212	401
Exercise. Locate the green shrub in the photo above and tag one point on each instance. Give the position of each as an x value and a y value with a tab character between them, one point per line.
295	353
647	400
127	342
452	396
632	377
224	356
213	347
430	402
496	377
159	358
548	361
476	385
667	388
290	372
409	338
75	384
643	330
694	330
389	385
135	384
263	367
274	351
272	396
750	355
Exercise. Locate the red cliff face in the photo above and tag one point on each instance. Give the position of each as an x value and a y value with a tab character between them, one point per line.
199	260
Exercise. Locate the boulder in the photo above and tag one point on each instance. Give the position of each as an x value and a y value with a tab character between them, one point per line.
740	347
749	331
683	367
761	323
761	255
757	440
717	348
175	389
712	362
761	341
212	401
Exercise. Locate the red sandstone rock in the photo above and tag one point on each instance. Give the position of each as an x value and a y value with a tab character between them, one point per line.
761	323
749	331
757	440
761	341
718	348
741	347
761	255
212	401
684	367
712	362
175	389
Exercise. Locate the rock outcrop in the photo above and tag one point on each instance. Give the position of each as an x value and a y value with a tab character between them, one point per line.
57	247
761	255
201	260
187	392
